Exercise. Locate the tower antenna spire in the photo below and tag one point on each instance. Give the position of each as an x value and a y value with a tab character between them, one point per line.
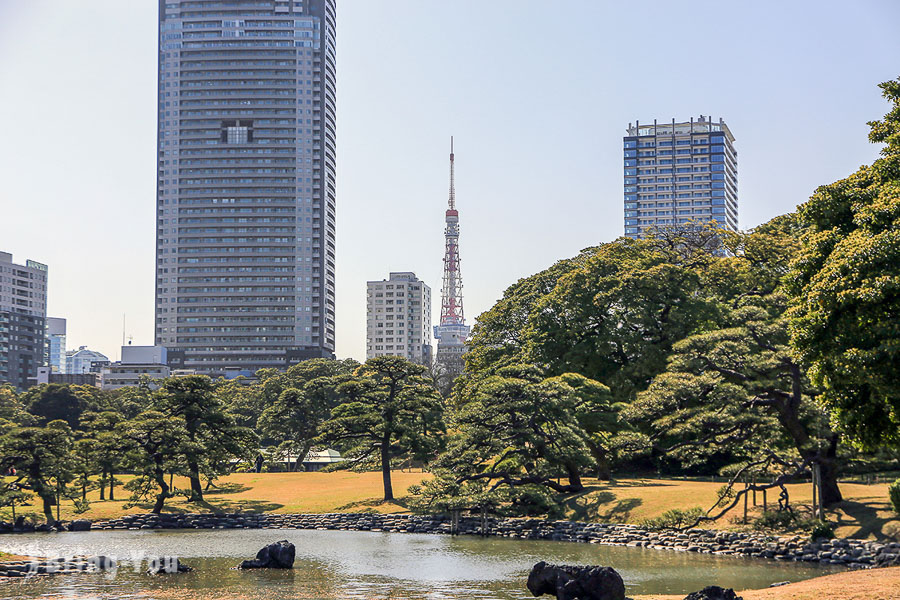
452	184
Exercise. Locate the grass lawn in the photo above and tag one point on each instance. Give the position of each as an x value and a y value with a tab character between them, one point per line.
865	513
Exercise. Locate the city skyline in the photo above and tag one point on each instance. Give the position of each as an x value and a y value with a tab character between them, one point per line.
540	147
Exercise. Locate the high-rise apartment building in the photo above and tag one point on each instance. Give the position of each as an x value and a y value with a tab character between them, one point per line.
398	318
678	173
23	314
245	258
55	349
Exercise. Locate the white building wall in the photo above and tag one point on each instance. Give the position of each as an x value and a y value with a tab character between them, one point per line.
398	318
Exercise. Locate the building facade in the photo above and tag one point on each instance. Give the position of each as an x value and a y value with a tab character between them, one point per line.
245	258
55	353
137	362
23	314
398	318
84	360
679	174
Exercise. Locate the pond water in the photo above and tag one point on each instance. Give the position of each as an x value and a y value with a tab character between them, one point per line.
366	565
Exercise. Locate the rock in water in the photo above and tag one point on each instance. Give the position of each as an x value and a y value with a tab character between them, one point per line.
80	525
570	582
713	592
167	564
279	555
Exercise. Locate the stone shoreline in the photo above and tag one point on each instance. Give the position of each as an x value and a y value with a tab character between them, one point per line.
848	552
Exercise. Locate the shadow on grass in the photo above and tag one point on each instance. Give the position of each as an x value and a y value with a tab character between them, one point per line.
230	506
595	503
226	488
865	518
369	504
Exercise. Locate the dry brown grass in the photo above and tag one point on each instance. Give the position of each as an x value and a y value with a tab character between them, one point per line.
876	584
865	512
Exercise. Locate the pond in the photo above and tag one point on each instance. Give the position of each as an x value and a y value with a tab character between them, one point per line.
354	564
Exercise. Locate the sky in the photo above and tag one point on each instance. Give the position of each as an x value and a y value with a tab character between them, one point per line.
537	96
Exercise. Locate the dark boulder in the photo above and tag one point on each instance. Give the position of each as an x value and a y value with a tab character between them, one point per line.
887	560
279	555
167	564
80	525
713	592
570	582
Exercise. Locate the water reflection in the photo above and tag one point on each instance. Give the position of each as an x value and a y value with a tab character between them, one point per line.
344	564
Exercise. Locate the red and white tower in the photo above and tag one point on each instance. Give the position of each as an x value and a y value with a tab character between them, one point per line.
452	332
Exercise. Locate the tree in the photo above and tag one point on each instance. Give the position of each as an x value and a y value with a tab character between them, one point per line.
516	433
106	447
54	401
155	444
614	319
213	437
846	291
498	337
11	408
42	459
735	392
387	408
308	392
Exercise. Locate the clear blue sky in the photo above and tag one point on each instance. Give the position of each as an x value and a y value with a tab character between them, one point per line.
536	93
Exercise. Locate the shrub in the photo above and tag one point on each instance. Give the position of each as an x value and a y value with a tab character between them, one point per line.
894	495
674	519
776	519
821	530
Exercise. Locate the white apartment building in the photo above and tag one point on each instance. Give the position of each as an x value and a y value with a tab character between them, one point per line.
398	318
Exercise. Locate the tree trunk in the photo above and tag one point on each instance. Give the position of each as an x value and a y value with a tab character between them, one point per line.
601	456
112	482
163	494
47	500
196	485
103	485
574	478
386	469
831	494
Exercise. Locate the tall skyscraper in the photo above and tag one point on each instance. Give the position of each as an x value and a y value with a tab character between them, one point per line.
452	332
398	318
245	256
55	352
676	173
23	314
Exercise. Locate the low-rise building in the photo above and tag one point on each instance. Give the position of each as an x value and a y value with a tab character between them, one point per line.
47	375
137	362
84	360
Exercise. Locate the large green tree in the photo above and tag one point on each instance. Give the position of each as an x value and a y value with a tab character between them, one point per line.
155	445
734	392
42	457
516	433
386	409
846	291
213	436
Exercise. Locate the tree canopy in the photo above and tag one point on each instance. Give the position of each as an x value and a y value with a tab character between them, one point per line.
845	319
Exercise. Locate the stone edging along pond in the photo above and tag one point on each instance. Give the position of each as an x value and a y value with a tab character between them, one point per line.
849	552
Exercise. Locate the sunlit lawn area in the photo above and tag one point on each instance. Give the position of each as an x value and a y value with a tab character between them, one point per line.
865	512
